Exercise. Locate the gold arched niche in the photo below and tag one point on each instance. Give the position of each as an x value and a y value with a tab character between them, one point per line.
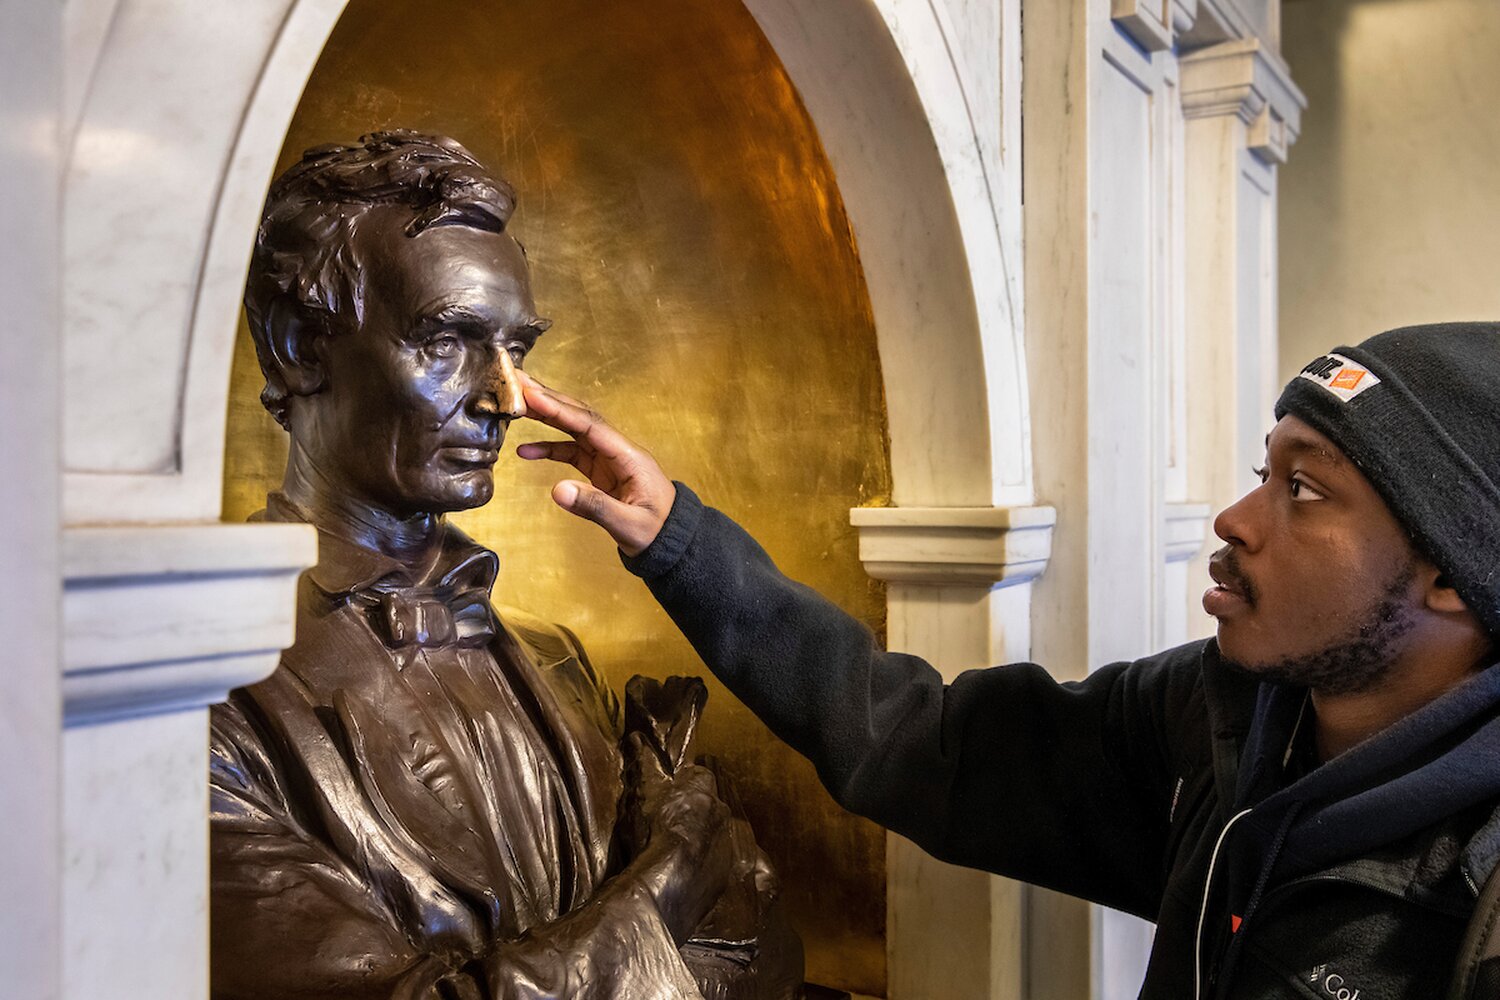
687	237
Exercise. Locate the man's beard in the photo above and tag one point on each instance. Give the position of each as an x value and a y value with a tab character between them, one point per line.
1354	662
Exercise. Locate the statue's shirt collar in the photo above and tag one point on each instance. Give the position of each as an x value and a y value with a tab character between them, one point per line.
440	601
344	567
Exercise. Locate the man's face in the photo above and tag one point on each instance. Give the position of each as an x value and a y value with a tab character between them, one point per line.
415	402
1316	584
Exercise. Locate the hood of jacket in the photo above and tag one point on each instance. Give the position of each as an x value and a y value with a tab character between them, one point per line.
1437	762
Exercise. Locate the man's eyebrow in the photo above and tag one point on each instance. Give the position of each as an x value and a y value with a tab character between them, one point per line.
1303	446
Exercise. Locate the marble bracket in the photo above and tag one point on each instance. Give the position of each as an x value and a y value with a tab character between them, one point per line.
1245	79
985	546
1154	24
1216	21
167	618
1186	527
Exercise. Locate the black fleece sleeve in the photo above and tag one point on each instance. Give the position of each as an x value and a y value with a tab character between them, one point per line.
1063	785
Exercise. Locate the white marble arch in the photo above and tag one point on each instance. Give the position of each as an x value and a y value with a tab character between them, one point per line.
156	243
173	119
917	138
884	89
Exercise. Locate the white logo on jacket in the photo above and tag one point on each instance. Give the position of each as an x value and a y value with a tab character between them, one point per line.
1334	984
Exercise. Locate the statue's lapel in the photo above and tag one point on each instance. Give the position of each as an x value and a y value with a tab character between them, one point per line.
410	776
417	784
546	672
422	899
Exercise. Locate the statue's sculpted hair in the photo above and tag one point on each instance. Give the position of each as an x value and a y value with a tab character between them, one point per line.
305	265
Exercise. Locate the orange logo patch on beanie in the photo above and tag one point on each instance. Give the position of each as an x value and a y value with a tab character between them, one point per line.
1340	376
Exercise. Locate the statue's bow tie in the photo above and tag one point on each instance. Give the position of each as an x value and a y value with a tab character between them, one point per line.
433	618
454	611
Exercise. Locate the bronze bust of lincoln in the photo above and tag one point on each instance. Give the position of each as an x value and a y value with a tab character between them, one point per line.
429	798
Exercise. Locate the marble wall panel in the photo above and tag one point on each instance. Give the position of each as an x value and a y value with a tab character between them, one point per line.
158	116
30	494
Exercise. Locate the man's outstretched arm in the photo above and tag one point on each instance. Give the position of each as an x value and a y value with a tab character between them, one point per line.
1065	785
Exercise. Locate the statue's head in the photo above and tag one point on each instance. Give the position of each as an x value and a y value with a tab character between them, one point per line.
390	310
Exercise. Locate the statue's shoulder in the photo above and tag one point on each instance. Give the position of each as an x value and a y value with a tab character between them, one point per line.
561	657
549	642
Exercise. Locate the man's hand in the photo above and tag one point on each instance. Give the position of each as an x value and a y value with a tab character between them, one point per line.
627	493
681	834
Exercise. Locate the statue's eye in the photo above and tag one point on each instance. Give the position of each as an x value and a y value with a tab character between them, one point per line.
517	354
443	345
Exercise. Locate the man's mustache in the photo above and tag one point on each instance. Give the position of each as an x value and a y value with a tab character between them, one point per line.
1227	562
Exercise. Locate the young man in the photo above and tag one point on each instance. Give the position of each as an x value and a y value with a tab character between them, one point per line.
1305	805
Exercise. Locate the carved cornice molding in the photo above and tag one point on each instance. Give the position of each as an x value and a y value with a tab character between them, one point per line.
1244	79
166	618
984	546
1185	528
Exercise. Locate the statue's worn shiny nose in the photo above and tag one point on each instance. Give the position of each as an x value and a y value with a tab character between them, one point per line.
501	394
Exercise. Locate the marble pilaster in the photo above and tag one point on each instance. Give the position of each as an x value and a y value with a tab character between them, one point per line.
958	595
158	624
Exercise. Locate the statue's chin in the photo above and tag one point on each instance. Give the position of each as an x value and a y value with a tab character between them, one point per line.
476	489
460	491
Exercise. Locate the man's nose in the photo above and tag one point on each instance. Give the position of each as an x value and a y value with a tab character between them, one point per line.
500	393
1236	523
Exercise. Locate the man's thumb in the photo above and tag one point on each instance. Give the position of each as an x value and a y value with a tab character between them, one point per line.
565	494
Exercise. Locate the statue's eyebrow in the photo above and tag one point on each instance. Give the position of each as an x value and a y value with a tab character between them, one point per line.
480	324
459	317
533	329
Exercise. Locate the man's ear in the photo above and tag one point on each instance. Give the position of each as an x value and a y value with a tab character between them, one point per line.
1441	597
293	339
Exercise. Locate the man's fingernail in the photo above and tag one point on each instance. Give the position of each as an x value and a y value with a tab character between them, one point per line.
566	494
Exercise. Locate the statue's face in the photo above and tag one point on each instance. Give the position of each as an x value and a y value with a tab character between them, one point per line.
415	403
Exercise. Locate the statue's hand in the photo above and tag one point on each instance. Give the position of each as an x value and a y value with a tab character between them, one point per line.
681	835
627	494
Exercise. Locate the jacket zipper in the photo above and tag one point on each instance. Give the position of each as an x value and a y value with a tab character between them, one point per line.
1208	884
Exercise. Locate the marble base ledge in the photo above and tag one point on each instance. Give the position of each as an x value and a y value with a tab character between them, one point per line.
987	546
168	618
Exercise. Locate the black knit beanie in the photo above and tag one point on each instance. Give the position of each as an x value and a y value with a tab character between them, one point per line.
1418	410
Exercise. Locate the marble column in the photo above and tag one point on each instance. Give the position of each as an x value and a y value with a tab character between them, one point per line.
959	582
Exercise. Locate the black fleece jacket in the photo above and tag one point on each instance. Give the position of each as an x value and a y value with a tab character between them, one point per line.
1172	787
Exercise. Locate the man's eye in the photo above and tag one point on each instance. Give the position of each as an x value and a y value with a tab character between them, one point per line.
1303	492
1262	473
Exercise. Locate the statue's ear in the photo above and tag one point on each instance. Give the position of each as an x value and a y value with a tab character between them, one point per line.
292	336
